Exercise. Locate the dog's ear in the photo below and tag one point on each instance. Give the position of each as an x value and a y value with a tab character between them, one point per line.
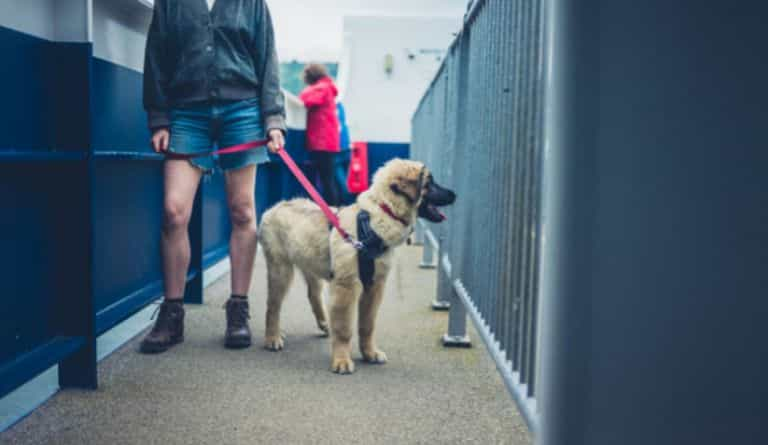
408	188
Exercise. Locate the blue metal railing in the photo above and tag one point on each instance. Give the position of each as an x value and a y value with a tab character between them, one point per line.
609	237
479	128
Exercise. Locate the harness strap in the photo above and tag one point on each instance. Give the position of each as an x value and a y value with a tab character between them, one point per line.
373	247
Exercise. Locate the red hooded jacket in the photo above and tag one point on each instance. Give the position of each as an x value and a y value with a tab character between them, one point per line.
323	131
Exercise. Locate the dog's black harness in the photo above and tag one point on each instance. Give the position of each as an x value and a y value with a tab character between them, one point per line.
372	247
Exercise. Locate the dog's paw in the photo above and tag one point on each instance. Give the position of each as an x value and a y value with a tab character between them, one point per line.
343	365
375	357
323	326
274	344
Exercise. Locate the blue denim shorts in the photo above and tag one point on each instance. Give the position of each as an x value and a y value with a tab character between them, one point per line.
206	126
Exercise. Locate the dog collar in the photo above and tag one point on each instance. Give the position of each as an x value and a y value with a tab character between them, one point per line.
392	215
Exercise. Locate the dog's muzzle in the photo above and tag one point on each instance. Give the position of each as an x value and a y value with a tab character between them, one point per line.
435	197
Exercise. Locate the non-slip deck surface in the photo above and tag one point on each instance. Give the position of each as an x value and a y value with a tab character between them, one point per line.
201	393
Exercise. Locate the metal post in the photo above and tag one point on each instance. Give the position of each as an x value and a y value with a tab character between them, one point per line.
456	337
566	393
428	253
442	300
418	234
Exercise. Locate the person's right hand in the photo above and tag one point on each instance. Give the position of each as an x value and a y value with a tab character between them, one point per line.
160	140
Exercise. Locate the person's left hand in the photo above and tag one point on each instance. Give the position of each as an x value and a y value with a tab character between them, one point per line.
276	140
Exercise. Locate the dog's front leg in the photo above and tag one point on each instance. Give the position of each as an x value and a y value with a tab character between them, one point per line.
367	310
345	296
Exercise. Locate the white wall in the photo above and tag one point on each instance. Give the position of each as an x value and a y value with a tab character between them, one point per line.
33	17
116	27
58	20
296	114
120	31
379	106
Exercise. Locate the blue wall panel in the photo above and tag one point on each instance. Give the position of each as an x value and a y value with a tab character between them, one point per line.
27	244
25	118
68	67
118	119
216	225
127	193
288	186
127	221
44	262
44	105
267	186
45	298
381	152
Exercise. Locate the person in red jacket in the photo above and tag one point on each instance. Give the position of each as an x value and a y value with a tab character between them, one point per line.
323	132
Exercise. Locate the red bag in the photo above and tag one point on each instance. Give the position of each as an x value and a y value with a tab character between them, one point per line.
357	179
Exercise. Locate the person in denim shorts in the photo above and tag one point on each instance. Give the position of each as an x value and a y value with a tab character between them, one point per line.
211	80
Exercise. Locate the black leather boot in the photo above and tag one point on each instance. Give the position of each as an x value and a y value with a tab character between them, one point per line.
238	334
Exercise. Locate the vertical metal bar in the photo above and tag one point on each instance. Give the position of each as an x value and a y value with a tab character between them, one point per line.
492	253
457	318
478	167
428	254
536	224
528	147
496	148
508	130
517	202
418	231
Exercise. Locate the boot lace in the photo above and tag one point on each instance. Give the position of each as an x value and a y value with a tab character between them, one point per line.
237	313
163	314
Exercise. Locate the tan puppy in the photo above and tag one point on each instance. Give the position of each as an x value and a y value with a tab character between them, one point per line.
296	233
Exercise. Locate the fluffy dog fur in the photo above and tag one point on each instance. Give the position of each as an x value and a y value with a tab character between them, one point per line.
296	233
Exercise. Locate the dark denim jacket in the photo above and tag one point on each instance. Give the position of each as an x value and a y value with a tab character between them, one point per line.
194	55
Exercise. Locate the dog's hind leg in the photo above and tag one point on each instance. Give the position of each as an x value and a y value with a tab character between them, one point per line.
366	323
279	277
314	293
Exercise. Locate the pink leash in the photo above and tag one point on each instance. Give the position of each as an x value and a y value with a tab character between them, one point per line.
289	162
332	218
233	149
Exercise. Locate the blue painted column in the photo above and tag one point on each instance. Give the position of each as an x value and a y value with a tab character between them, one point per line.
75	302
656	224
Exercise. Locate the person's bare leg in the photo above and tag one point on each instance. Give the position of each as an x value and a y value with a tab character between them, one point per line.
181	182
242	251
241	185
